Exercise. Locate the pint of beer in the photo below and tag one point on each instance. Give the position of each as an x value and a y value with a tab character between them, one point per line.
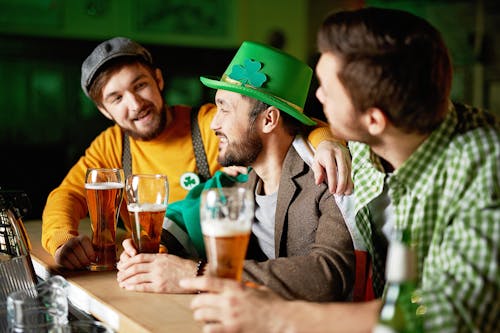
226	216
104	191
147	197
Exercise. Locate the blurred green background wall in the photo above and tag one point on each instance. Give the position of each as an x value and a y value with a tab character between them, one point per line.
47	122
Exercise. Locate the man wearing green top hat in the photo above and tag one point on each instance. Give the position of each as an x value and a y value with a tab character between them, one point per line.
300	246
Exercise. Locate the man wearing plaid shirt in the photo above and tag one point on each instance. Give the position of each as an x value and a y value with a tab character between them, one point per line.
419	162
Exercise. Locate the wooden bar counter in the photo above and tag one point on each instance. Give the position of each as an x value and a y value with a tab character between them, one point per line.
98	294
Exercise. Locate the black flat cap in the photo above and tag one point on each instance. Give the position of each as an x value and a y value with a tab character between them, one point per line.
107	50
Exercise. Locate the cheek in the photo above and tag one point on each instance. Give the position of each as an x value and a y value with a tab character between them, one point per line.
328	111
157	100
319	95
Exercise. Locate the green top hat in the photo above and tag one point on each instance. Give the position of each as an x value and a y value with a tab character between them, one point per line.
269	75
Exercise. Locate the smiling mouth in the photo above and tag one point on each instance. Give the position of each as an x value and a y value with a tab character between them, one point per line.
142	115
222	137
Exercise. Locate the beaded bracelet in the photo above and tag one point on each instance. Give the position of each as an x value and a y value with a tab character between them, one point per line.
200	267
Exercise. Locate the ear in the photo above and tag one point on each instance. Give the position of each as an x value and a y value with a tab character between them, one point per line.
375	121
270	119
159	79
105	112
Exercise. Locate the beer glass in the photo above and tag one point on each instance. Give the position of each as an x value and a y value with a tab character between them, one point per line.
104	191
147	198
226	216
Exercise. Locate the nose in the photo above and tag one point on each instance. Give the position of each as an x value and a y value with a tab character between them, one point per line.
214	124
135	101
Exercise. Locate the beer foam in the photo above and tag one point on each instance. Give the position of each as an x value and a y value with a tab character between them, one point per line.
225	228
146	207
104	186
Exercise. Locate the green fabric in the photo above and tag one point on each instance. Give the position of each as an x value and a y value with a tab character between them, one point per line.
186	213
447	193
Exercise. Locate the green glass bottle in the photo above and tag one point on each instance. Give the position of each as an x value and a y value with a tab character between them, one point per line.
401	310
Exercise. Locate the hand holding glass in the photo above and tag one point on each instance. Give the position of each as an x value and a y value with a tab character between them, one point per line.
147	198
104	190
226	216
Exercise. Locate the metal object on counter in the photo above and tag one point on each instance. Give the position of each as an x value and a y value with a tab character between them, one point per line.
16	268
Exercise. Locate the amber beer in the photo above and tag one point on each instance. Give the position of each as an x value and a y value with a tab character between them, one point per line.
226	244
146	221
103	201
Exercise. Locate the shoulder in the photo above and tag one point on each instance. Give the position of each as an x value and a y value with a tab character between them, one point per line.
476	138
471	160
207	111
295	170
112	134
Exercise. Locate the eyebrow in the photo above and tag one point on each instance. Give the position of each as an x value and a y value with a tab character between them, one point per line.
114	93
220	101
224	103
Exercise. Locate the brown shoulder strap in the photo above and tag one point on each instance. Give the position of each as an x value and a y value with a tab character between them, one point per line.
199	149
126	156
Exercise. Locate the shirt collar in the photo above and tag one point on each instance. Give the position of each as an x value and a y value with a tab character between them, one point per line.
417	172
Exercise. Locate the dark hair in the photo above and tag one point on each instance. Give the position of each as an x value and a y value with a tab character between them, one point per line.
292	126
392	60
110	68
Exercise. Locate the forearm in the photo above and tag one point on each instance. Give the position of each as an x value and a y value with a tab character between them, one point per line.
65	207
60	218
315	277
306	317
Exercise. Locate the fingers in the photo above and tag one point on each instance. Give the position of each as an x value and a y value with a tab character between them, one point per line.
318	171
128	262
139	283
332	179
326	170
214	328
76	253
350	187
129	247
86	249
344	182
207	313
129	250
332	163
341	175
133	277
124	256
235	170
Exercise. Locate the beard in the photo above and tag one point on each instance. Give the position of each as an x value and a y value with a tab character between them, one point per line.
244	152
155	127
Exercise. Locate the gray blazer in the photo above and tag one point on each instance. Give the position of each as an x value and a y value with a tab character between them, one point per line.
314	252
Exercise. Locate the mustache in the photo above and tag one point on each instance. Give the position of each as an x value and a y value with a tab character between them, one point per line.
219	133
143	111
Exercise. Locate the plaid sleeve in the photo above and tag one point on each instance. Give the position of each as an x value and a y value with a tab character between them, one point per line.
461	281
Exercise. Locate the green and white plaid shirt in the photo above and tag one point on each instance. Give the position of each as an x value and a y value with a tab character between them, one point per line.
448	195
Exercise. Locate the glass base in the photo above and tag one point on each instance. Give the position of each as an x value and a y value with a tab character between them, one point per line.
101	267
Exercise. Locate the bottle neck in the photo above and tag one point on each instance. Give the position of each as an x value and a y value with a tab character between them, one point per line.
401	264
